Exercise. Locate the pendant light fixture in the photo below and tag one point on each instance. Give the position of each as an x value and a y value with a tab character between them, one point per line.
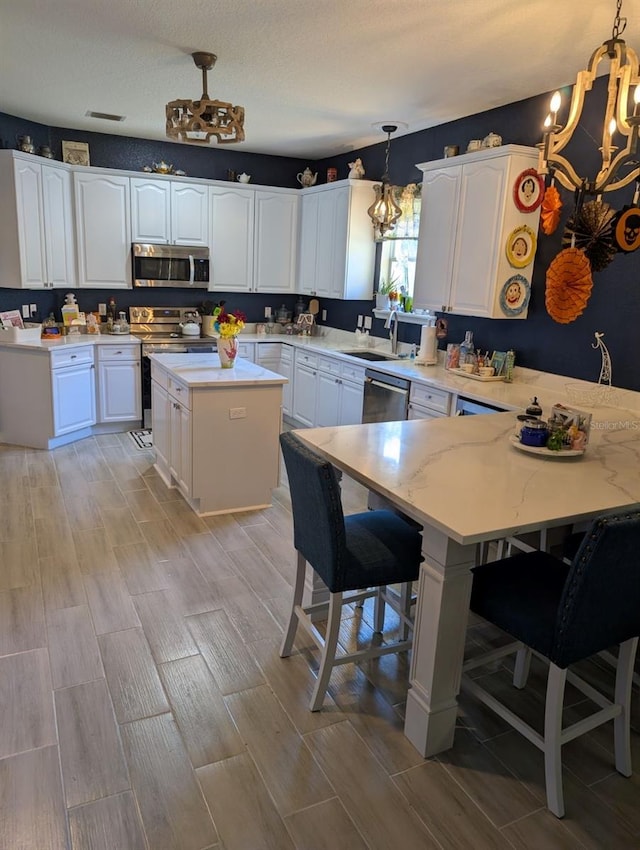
384	211
621	120
202	120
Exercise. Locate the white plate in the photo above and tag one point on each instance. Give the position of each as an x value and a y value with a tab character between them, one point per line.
543	450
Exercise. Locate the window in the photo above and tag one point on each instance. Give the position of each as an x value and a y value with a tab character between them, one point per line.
399	246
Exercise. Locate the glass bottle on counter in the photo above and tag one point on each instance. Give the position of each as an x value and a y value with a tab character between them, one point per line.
466	348
111	313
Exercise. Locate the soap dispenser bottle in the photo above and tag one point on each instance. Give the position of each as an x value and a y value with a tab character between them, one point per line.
466	348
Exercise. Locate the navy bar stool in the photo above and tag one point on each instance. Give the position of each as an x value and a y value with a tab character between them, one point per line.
566	613
353	553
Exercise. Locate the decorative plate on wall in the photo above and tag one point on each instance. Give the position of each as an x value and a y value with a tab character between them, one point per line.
514	297
521	246
528	190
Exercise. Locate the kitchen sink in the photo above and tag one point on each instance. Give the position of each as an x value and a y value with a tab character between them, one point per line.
369	355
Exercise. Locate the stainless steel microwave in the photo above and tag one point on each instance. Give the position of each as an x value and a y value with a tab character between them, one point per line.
170	265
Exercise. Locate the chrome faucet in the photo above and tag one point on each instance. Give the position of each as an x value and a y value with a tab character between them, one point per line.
392	326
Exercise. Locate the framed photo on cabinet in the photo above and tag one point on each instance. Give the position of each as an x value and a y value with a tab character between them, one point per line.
75	153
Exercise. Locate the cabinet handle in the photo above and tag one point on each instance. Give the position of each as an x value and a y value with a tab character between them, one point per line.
118	352
73	357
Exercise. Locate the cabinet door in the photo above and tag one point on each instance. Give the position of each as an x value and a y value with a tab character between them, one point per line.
232	229
286	368
73	398
478	249
150	210
437	238
351	399
276	220
189	214
29	209
308	243
119	391
180	445
327	399
304	394
59	227
160	411
103	230
246	350
416	412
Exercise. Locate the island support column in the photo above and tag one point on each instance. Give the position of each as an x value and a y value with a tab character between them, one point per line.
438	642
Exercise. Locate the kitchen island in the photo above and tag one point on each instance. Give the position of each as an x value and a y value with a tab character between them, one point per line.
215	431
464	482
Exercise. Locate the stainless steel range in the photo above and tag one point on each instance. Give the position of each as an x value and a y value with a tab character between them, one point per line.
168	329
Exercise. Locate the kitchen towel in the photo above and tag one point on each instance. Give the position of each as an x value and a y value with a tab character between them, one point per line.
428	353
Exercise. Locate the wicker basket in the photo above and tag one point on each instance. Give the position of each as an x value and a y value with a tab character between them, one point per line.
591	395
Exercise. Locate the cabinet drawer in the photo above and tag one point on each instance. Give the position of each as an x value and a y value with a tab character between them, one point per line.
246	350
179	391
429	397
267	351
118	352
159	376
416	411
307	358
71	357
352	373
286	352
328	364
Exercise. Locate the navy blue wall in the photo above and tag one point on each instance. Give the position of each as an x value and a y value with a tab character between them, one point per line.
539	342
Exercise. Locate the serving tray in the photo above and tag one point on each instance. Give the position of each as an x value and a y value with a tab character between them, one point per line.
473	377
543	451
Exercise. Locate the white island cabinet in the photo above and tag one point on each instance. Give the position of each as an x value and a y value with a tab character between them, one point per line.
216	430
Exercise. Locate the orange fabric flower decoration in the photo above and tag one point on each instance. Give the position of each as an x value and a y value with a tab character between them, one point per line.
551	206
569	285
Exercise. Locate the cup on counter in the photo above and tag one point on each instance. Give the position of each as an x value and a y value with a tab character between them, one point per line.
486	371
468	367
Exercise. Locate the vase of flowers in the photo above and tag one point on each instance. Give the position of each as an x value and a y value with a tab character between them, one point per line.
227	326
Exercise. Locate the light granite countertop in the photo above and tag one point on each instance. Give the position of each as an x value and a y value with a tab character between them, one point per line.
201	371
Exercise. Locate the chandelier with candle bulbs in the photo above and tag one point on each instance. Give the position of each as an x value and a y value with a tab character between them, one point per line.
384	211
202	120
619	165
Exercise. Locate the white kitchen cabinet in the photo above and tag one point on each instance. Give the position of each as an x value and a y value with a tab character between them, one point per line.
119	383
336	244
468	214
37	234
305	387
232	227
161	406
253	239
340	392
247	350
169	211
103	224
180	456
275	242
426	402
286	368
73	390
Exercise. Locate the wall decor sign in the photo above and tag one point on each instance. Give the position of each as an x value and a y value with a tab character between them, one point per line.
528	190
627	229
514	296
521	246
75	153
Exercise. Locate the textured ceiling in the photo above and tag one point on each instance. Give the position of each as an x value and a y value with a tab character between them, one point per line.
313	76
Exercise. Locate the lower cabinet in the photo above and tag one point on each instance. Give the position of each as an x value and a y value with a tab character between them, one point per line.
73	390
340	392
428	402
119	383
286	369
172	431
161	423
305	384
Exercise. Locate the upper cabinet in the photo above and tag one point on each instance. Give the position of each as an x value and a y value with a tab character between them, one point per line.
478	231
36	223
253	239
103	230
336	246
166	211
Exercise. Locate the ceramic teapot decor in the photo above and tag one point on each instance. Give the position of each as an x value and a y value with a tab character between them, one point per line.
357	169
307	178
190	326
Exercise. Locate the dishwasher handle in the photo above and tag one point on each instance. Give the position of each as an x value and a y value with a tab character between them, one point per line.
386	387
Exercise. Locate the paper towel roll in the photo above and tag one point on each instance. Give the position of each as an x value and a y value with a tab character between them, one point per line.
428	353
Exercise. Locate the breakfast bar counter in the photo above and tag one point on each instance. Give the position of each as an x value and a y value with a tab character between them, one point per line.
464	482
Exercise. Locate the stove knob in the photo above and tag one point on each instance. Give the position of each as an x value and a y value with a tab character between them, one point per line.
144	314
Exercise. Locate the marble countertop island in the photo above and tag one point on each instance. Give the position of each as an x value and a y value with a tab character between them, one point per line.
198	371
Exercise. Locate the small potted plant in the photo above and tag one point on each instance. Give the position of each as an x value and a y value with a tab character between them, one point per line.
387	294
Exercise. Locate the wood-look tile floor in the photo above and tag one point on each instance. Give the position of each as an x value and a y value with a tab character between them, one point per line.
144	706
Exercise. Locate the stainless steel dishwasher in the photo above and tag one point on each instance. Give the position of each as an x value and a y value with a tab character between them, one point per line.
386	397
